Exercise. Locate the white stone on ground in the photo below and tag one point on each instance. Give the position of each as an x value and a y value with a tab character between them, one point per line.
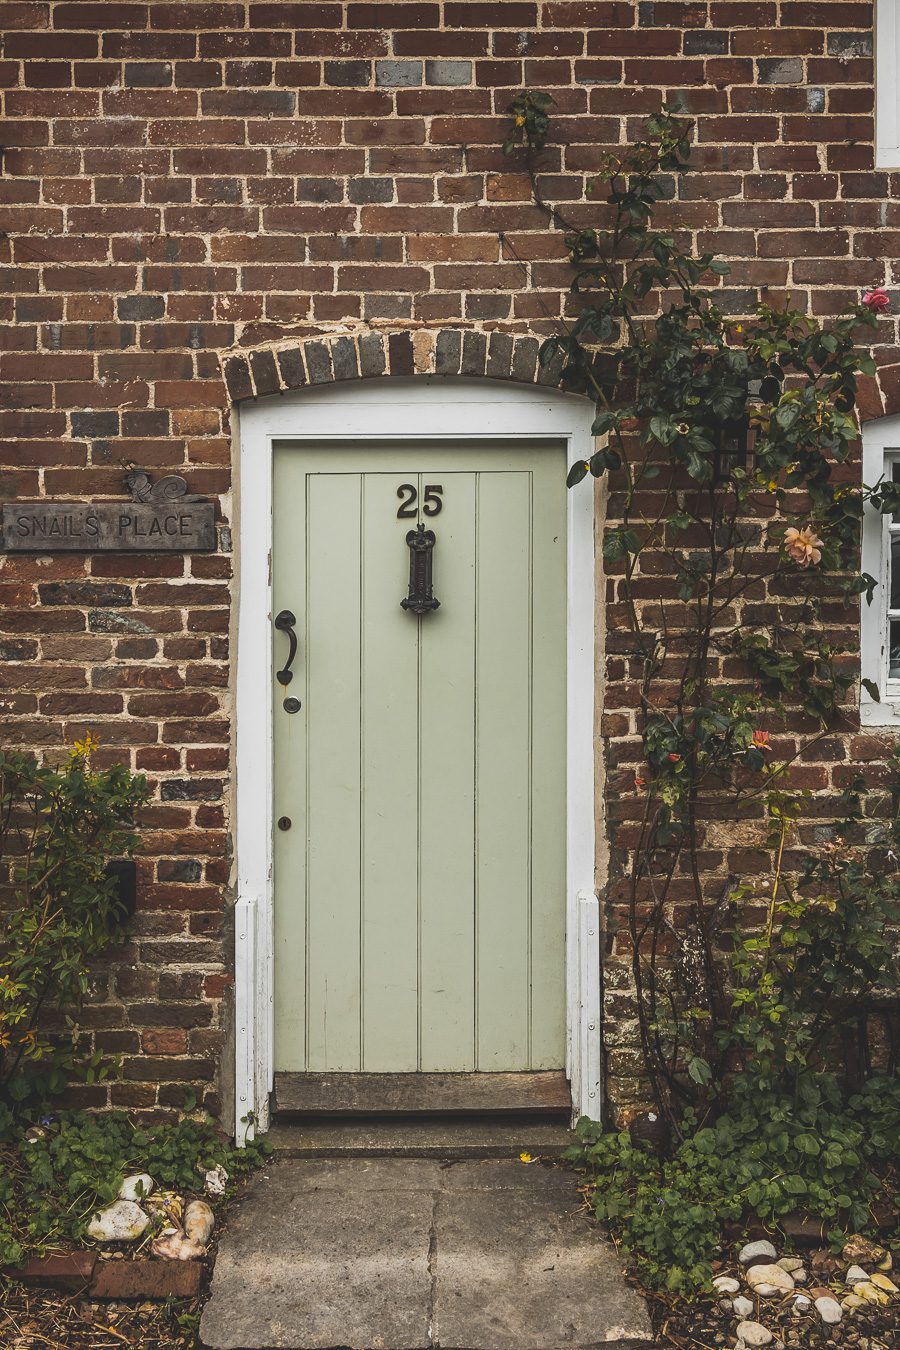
198	1221
829	1310
790	1263
753	1333
802	1303
136	1187
753	1249
743	1306
726	1284
769	1280
122	1221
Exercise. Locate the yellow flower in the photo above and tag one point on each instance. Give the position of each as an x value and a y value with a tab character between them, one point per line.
525	1157
520	119
804	546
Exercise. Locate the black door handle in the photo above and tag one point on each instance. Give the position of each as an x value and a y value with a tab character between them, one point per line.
284	622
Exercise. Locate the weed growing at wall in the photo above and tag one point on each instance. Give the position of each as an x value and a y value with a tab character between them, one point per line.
58	830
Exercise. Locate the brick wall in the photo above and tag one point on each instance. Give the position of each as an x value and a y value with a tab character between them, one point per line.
187	181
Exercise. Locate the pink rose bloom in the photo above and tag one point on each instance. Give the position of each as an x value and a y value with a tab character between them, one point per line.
877	300
804	546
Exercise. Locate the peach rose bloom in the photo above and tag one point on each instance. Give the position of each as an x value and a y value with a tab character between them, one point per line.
804	546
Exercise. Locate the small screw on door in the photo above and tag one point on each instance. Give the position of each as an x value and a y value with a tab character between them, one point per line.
284	822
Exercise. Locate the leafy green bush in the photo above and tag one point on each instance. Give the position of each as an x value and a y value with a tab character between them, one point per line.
50	1186
58	830
766	1156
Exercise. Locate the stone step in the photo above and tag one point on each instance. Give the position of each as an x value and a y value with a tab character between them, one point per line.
421	1138
415	1254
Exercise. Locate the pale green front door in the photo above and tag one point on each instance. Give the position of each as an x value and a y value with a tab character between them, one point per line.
420	887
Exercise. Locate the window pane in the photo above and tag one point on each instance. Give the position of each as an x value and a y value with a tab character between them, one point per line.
895	478
894	602
894	658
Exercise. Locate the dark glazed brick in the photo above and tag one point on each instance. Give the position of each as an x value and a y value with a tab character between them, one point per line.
448	353
787	71
237	378
524	359
265	372
364	190
178	869
371	355
134	308
473	353
343	356
290	363
146	422
849	44
705	42
398	74
551	372
91	424
347	74
105	593
147	74
320	190
318	363
401	354
499	362
190	789
448	72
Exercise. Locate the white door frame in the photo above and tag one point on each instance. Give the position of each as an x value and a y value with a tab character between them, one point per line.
392	409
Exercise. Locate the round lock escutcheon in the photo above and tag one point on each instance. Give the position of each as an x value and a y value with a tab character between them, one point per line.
284	822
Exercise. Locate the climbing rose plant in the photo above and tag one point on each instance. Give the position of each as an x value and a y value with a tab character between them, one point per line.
732	547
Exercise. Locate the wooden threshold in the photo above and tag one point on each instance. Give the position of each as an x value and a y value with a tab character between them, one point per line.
341	1094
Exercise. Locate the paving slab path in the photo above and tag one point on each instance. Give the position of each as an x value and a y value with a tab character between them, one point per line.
392	1253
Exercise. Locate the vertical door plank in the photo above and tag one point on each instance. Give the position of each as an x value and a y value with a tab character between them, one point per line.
447	789
503	770
333	730
289	847
390	822
548	763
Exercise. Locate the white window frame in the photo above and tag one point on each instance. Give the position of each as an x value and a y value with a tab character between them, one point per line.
394	409
881	450
887	84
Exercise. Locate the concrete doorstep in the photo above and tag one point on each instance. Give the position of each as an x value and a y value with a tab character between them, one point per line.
414	1253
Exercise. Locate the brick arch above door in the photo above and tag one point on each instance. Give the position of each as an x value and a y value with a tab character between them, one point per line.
329	358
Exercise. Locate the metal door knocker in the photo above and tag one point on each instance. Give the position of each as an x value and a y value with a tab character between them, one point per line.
420	598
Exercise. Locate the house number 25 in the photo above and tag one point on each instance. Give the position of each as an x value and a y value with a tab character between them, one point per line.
431	500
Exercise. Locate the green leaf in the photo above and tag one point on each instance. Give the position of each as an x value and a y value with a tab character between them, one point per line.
872	690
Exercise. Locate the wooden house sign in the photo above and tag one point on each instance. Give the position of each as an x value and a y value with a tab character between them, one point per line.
159	517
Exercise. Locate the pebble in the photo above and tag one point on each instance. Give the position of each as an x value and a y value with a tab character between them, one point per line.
751	1250
753	1333
870	1292
122	1221
851	1301
769	1280
882	1282
743	1306
855	1274
860	1249
215	1180
198	1222
829	1310
802	1303
175	1247
790	1263
136	1187
727	1284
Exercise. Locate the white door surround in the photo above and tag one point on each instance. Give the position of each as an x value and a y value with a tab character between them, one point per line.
401	409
